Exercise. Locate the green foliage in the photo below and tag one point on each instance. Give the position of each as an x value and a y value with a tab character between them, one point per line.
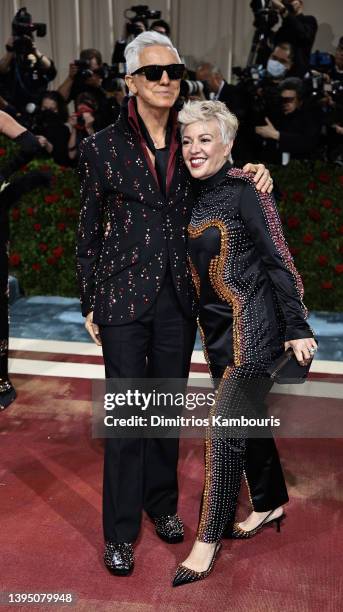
43	228
311	212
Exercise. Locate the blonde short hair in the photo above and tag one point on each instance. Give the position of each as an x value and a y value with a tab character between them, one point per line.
205	110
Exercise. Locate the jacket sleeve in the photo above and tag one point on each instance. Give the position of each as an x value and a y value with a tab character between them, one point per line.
261	218
303	31
90	228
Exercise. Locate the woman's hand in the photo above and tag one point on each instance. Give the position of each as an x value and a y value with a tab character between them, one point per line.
304	349
262	178
92	329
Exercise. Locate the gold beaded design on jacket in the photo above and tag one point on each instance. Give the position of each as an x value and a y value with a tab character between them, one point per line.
216	269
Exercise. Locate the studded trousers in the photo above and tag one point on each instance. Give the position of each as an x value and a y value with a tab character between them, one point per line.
241	393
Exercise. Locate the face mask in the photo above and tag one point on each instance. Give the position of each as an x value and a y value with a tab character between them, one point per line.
48	116
275	68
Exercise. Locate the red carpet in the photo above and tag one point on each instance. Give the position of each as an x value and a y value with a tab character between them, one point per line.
51	538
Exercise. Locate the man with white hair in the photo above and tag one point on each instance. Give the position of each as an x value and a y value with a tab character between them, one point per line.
135	285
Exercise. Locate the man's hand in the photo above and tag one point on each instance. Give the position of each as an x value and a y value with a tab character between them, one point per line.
280	7
262	178
304	349
92	329
73	70
267	131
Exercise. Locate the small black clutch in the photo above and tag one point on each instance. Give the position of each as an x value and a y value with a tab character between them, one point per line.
287	369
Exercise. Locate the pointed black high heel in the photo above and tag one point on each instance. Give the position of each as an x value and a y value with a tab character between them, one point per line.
240	534
184	575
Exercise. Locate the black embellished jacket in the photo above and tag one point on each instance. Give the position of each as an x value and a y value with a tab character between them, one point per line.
128	231
250	293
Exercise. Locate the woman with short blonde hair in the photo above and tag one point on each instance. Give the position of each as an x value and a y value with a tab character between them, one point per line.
250	311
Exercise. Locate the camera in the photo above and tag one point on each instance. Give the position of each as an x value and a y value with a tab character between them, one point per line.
265	16
140	12
84	70
22	31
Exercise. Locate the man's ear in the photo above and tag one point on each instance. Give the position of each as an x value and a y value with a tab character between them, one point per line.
130	84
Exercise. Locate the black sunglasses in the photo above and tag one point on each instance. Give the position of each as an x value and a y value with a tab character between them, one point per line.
154	72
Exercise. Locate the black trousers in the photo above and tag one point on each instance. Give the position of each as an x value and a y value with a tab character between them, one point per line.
141	474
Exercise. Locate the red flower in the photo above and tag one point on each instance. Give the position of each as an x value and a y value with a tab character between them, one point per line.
15	214
298	196
336	211
327	285
293	222
58	252
340	179
36	266
324	177
294	251
325	235
68	193
312	186
322	260
339	268
340	229
327	203
24	168
43	247
44	168
51	261
340	250
308	238
14	259
37	227
2	152
30	212
284	195
314	214
52	198
61	226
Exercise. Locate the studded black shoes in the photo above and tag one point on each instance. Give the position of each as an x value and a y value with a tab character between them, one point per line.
119	558
169	528
238	533
185	575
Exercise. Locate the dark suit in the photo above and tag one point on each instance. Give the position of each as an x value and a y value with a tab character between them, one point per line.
133	274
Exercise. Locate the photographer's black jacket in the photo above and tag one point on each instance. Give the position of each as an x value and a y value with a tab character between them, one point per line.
300	31
299	136
23	83
128	232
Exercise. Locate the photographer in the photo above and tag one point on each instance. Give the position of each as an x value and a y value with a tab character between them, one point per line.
293	131
24	71
297	29
86	76
83	124
50	125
